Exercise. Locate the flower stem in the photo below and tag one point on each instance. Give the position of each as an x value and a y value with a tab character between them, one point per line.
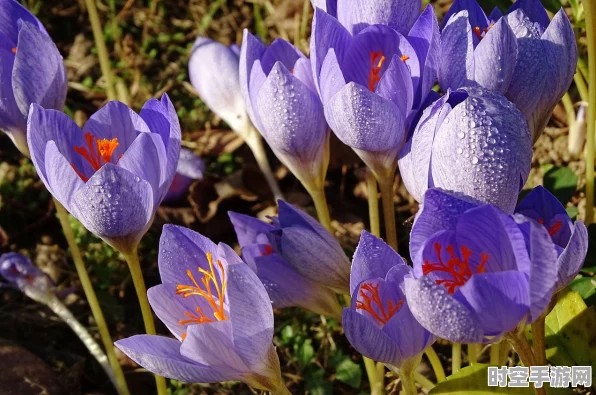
538	328
590	10
522	348
98	316
406	374
95	350
386	187
504	353
580	83
473	351
436	364
455	357
495	354
132	258
102	50
255	143
373	380
373	204
318	197
423	381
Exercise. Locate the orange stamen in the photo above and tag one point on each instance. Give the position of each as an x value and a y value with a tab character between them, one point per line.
458	269
216	301
97	152
404	58
478	32
14	50
376	63
369	295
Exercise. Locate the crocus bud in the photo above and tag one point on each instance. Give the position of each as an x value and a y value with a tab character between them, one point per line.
474	142
18	271
577	132
190	168
113	174
31	70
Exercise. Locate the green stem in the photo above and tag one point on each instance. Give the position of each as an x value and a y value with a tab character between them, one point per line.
406	374
102	50
522	348
373	204
495	354
455	357
423	381
473	351
569	110
504	354
381	376
320	201
580	83
436	364
255	143
386	187
304	22
371	372
538	345
98	316
132	258
590	10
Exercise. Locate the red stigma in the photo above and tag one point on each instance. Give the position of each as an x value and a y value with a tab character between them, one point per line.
268	250
97	153
481	33
554	229
369	296
458	269
14	50
376	63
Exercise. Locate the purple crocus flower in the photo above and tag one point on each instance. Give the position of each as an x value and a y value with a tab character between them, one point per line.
479	272
523	55
217	309
472	141
213	71
18	271
31	70
379	323
282	102
113	174
309	248
571	240
372	82
190	167
285	286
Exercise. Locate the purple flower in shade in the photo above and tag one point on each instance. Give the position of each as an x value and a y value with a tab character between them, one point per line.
217	309
213	71
379	323
571	240
18	271
523	55
282	102
478	272
31	70
113	174
309	248
285	286
471	141
372	83
190	167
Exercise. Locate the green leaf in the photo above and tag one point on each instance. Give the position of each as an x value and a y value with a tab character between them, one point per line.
473	380
561	182
349	372
316	383
584	286
570	329
304	353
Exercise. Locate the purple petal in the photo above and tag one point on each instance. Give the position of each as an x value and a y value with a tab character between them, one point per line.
540	204
252	50
225	253
571	260
63	182
495	15
368	339
280	51
543	270
396	85
440	313
495	58
181	249
373	259
11	12
327	33
190	165
214	72
439	211
212	344
329	6
483	149
11	118
287	288
293	123
456	68
332	79
250	314
534	10
38	75
248	228
303	72
475	13
499	301
290	216
161	355
411	338
399	15
368	123
94	205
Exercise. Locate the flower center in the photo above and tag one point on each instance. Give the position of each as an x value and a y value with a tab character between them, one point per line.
97	153
481	33
204	290
369	297
553	229
376	63
458	269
